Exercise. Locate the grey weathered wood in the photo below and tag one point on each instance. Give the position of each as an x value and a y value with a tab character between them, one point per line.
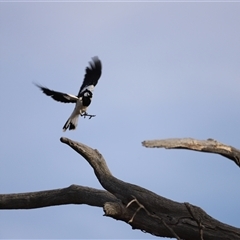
209	146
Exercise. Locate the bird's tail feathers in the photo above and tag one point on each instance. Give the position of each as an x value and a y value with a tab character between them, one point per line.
71	123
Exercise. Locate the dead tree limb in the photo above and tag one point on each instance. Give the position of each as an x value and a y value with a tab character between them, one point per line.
209	146
139	207
73	194
159	214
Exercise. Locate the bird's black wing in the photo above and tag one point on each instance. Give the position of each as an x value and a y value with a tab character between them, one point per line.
93	73
58	96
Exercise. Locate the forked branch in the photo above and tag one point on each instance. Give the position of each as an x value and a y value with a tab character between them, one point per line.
138	207
145	210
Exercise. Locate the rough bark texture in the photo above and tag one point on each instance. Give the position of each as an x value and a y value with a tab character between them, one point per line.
73	194
139	207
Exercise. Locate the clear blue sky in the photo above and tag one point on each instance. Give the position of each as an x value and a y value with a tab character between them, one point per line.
169	70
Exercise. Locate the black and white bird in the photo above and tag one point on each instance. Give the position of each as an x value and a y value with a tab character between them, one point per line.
84	97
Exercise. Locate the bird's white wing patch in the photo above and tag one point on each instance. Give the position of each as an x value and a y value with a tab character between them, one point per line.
90	88
70	97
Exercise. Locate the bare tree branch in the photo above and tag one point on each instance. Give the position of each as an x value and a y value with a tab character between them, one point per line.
139	207
73	194
173	214
209	145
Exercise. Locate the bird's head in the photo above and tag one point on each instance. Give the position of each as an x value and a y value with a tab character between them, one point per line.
87	94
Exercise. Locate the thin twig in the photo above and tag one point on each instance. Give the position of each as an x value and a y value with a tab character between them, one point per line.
151	215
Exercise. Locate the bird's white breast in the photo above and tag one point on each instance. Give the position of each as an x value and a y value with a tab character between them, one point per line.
80	109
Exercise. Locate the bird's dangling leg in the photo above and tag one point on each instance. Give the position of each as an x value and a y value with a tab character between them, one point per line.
85	114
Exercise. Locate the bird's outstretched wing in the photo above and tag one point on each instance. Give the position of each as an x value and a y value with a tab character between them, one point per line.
58	96
93	73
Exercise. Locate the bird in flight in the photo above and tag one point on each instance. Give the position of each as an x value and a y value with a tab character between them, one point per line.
84	97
